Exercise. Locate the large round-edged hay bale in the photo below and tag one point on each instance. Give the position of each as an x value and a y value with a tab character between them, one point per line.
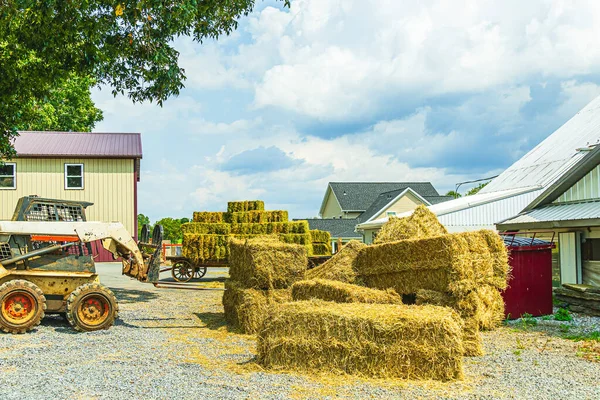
247	205
371	340
422	223
209	217
204	228
245	309
340	267
199	247
266	263
341	292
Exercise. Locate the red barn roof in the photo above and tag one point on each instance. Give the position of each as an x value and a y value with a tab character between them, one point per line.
31	144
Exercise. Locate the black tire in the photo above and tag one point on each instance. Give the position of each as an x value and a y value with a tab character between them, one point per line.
200	271
92	307
22	306
182	271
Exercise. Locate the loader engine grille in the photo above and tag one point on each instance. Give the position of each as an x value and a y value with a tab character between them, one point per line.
5	252
54	212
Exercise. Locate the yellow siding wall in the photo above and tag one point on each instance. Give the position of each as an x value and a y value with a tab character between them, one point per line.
405	203
332	207
108	183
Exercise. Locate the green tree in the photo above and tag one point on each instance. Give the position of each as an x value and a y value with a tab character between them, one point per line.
172	229
454	194
69	107
142	220
127	45
476	189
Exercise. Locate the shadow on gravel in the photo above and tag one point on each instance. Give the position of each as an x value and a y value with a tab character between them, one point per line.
202	280
127	324
133	296
213	321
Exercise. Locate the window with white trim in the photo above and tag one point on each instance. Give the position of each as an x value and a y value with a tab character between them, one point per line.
73	176
391	213
8	176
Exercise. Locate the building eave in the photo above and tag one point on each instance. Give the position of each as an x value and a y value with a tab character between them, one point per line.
395	199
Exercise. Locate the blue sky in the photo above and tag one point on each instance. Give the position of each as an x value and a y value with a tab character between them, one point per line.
354	90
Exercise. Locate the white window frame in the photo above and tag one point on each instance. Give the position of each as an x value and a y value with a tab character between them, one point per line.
74	176
391	213
14	176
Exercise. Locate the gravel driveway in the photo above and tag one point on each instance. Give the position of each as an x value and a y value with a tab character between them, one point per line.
172	344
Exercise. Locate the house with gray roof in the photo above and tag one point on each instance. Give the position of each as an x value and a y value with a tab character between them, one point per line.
347	204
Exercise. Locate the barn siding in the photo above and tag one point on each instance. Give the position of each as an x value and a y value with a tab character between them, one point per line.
587	188
108	183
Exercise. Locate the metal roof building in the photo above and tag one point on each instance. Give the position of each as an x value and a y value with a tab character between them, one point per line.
555	162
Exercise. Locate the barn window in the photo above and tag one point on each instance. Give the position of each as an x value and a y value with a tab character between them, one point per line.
73	176
8	176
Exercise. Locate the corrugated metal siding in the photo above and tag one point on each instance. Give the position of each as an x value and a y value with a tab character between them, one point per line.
488	214
562	212
588	188
78	144
108	184
555	155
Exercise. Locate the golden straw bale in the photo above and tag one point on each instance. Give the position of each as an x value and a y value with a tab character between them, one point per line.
371	340
210	217
266	263
321	249
243	206
340	266
245	309
206	228
422	223
341	292
318	236
453	263
199	247
424	296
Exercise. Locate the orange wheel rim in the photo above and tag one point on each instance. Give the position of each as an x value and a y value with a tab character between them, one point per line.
18	307
93	310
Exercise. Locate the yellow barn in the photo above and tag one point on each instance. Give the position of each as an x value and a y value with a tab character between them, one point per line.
101	168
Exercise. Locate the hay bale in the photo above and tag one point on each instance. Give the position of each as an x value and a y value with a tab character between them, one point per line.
209	217
245	309
243	206
372	340
340	292
199	247
340	266
422	223
321	249
256	217
317	236
266	263
296	227
450	263
204	228
424	296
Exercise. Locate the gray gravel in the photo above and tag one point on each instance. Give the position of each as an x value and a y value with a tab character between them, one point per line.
174	345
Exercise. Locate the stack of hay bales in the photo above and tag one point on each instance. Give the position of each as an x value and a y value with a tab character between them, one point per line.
321	242
261	271
383	340
465	271
207	237
422	223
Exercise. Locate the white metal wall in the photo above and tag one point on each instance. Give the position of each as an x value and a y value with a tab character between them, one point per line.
587	188
487	215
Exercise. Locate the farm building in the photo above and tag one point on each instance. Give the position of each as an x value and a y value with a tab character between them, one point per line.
347	204
100	168
554	188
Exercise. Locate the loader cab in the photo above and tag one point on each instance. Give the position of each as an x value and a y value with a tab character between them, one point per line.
34	208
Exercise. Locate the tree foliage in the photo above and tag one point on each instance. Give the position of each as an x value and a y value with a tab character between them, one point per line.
172	228
127	45
454	194
476	189
141	221
68	107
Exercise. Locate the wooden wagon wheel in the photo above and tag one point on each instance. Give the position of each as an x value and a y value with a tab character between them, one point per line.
200	271
182	271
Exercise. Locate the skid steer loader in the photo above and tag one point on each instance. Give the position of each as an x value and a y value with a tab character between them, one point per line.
47	265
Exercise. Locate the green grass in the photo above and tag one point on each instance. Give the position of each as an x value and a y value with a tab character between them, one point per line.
578	337
563	315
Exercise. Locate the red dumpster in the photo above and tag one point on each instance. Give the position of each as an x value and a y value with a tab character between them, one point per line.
530	287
